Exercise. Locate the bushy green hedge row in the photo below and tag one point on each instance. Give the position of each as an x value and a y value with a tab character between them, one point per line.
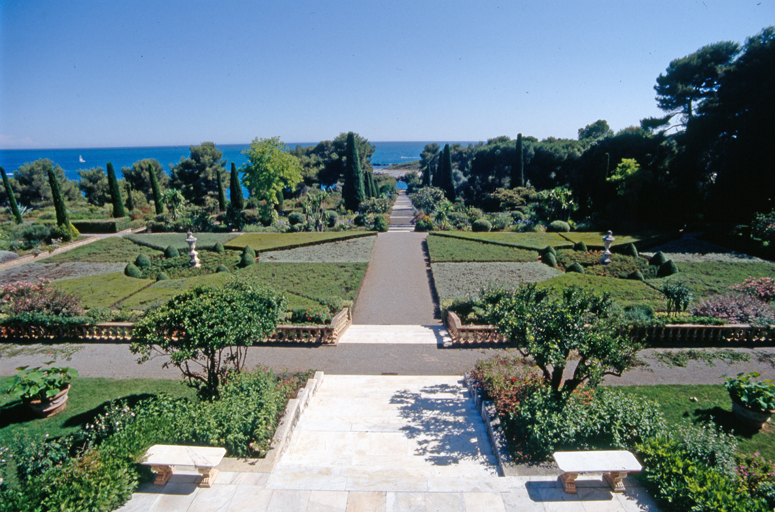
102	226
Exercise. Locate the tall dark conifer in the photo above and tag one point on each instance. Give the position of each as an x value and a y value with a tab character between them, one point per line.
11	198
235	189
426	175
115	193
157	202
353	177
130	201
221	194
448	183
518	170
59	202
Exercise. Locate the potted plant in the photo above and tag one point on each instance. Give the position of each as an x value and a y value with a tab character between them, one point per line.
752	402
43	389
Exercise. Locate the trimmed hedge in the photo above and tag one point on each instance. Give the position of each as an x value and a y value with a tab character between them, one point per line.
102	226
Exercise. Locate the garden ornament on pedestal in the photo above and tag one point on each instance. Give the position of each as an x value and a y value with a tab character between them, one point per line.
607	241
191	241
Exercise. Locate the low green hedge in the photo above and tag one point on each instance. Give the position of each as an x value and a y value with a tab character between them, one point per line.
102	226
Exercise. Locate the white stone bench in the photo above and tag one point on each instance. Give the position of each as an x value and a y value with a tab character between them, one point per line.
614	464
161	458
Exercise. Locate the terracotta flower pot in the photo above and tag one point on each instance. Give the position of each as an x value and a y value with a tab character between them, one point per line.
50	406
750	417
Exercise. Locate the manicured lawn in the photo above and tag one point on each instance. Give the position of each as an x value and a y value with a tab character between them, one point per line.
354	250
624	291
710	278
531	241
446	249
270	241
102	290
108	250
161	291
314	281
596	239
713	404
160	241
456	280
590	260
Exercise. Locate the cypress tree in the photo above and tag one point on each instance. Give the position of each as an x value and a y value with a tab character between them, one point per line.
221	194
280	200
436	176
11	198
156	192
374	187
426	176
235	190
130	202
353	177
518	171
115	193
448	184
59	202
607	164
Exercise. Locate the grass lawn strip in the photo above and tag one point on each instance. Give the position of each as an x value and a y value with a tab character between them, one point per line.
354	250
457	280
103	290
314	281
161	291
261	242
624	291
713	404
530	241
113	249
449	249
706	279
56	271
160	241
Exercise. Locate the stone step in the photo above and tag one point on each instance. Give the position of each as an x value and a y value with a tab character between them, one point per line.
396	334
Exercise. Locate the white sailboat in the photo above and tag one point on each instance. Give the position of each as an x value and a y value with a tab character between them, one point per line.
80	159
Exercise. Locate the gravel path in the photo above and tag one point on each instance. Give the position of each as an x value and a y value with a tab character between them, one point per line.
691	250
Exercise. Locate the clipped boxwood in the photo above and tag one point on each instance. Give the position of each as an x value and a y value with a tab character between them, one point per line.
295	218
549	259
580	246
575	268
218	247
549	249
221	268
161	276
558	226
247	260
142	261
668	268
249	251
658	259
635	275
380	223
131	270
102	225
481	225
171	252
628	250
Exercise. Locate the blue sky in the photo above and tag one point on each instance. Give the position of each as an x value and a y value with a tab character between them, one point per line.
137	73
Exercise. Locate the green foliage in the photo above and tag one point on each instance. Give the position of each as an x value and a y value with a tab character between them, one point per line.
446	181
763	226
658	259
161	276
130	200
131	270
102	225
375	205
115	193
160	241
270	169
550	259
295	218
222	268
427	198
213	327
575	268
636	275
249	251
424	223
32	185
59	202
677	295
11	198
103	289
331	218
353	193
235	190
518	168
315	281
481	225
142	261
558	226
380	223
171	252
759	396
218	248
94	185
197	176
548	249
272	241
628	250
221	193
40	383
246	260
174	200
668	268
580	246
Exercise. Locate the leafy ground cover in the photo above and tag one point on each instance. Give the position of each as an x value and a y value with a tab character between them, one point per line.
102	290
261	242
624	291
596	239
711	278
354	250
713	404
449	249
160	241
54	271
533	241
456	280
108	250
590	261
315	281
180	266
161	291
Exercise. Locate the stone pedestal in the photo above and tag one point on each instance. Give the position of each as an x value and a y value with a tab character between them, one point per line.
191	241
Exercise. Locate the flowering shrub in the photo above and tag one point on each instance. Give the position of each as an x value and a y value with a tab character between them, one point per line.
38	297
757	476
762	288
736	308
763	226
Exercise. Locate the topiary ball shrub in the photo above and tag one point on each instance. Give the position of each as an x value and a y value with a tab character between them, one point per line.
549	249
549	259
142	261
295	218
331	218
221	268
629	250
575	268
668	268
161	276
131	270
246	260
360	220
658	259
380	223
218	247
580	246
558	226
249	251
481	225
171	252
636	276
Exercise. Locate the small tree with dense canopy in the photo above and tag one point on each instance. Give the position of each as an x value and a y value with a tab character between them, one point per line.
206	331
115	193
270	169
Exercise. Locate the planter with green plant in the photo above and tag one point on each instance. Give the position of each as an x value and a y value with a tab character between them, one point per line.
43	389
753	402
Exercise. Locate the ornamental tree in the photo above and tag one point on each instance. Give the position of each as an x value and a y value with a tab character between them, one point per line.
206	331
59	201
235	189
11	198
579	324
115	193
270	169
353	193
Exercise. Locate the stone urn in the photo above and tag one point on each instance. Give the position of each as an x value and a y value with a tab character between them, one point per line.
49	406
750	417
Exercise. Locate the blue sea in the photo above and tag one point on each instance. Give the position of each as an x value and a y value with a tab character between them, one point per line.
73	160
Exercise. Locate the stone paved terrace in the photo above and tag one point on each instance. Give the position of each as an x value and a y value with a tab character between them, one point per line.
386	444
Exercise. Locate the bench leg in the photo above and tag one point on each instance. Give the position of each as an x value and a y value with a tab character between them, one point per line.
569	482
208	476
163	473
614	479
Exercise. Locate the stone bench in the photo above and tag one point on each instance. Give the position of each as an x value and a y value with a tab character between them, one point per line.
614	464
161	458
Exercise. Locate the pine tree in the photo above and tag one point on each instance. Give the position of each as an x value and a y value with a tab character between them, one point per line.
157	202
59	202
221	194
130	202
11	198
235	190
518	170
448	183
115	193
353	178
